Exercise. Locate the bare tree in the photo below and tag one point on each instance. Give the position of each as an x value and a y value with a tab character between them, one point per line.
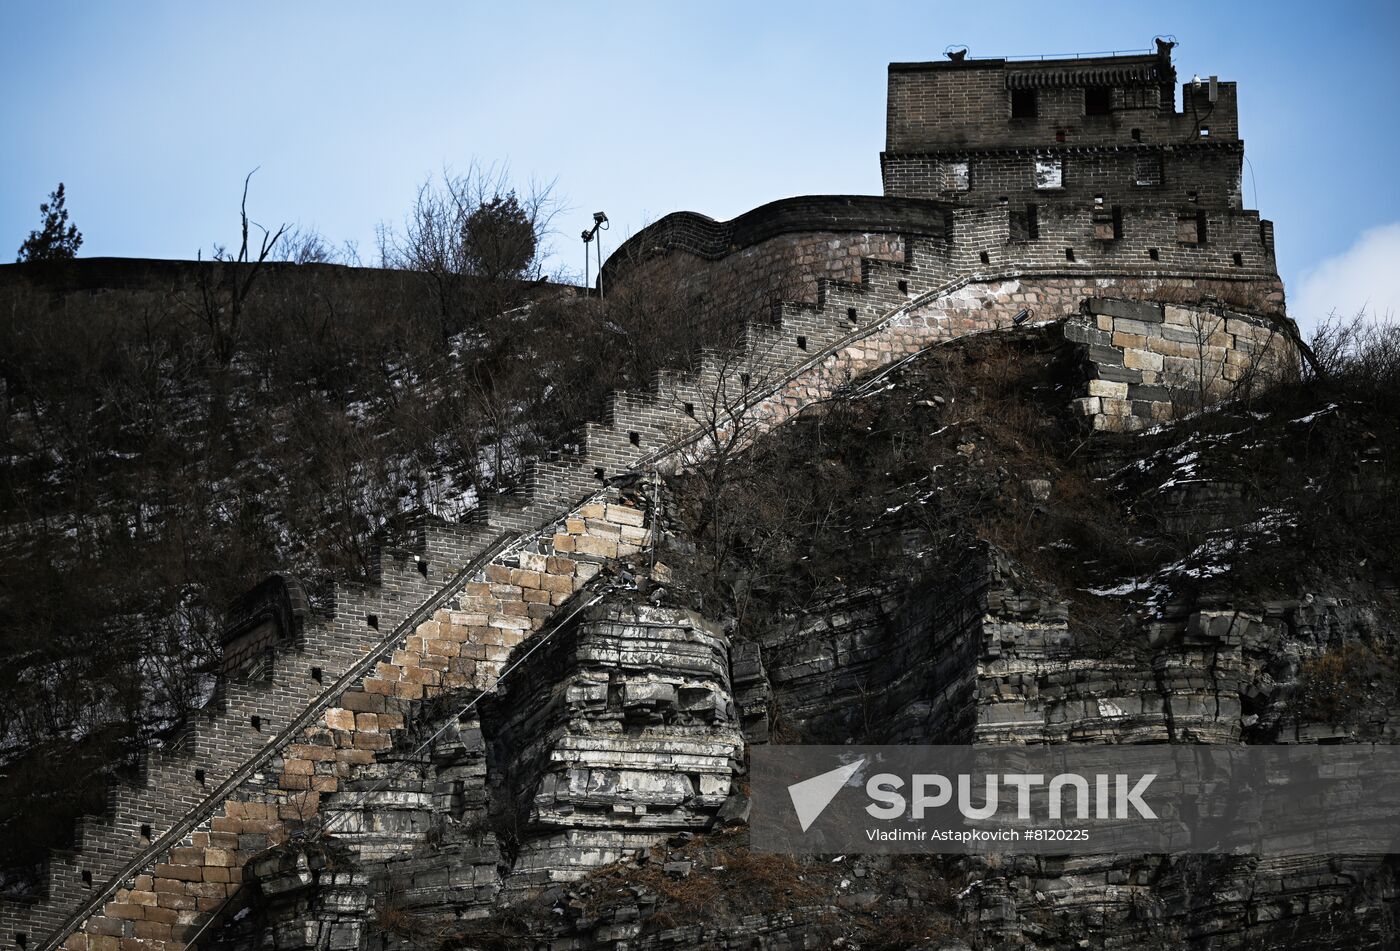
306	246
729	412
224	291
474	238
1361	353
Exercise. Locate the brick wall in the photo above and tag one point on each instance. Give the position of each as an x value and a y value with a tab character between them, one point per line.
1210	172
780	250
948	105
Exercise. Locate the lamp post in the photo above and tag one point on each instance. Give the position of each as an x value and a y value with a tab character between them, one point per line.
600	223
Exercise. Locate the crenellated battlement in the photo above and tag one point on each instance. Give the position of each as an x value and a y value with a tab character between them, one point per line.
732	265
982	132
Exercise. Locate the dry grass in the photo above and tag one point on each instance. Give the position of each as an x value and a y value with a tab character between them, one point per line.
1336	686
727	879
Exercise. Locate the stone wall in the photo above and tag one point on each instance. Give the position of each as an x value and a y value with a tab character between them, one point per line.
1136	150
751	280
968	103
266	755
619	727
1156	239
1162	241
704	237
1149	362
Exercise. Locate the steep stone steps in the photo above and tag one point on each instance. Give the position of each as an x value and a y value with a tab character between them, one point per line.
174	780
365	621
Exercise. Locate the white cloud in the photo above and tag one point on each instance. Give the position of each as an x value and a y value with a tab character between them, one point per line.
1365	275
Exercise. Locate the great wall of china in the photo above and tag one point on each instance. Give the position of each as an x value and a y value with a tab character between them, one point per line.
313	699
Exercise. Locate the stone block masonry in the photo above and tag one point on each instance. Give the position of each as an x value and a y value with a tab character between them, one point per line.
1103	126
1149	362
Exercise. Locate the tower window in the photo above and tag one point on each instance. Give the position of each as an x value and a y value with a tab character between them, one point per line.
1049	171
1024	104
959	178
1098	100
1022	226
1191	227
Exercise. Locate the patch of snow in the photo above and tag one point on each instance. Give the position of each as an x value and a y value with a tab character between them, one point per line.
1312	416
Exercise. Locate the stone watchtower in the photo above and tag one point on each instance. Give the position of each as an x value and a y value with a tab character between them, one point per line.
1089	148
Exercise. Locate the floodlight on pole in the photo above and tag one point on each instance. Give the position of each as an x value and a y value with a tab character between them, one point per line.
600	223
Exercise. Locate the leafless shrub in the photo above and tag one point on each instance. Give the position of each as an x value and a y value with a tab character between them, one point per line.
1359	354
473	238
303	245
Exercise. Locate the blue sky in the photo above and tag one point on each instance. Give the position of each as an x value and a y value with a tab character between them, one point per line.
152	113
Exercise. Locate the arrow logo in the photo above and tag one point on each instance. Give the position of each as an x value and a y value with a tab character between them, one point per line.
811	796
